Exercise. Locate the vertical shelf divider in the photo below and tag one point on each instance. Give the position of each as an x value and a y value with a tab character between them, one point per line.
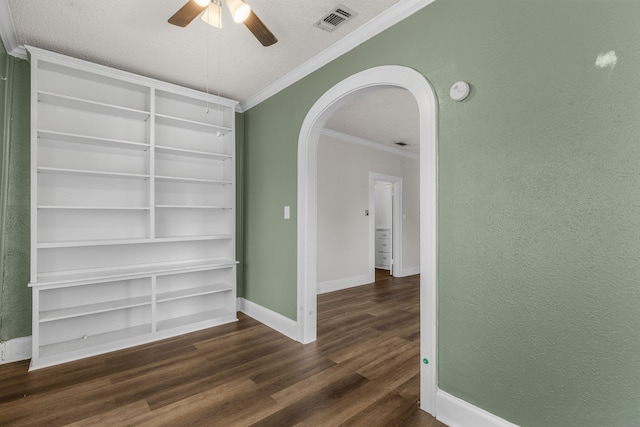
154	298
152	164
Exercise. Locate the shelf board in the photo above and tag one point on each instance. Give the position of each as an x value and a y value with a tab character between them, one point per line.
92	140
184	179
194	318
189	207
131	271
107	208
110	242
94	340
179	121
46	169
193	292
193	238
88	309
93	106
193	153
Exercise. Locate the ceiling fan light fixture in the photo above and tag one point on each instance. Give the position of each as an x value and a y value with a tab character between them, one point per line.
239	10
213	14
202	3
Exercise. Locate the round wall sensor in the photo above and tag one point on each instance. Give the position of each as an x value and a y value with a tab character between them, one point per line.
459	91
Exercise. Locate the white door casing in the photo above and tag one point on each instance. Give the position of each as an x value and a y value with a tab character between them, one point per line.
327	104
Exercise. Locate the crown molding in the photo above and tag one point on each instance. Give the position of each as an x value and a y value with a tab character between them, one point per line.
369	144
8	32
393	15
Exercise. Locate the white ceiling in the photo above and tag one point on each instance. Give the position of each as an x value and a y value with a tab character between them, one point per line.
133	35
384	116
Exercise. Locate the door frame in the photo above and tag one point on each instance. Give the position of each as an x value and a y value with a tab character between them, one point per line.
396	223
307	261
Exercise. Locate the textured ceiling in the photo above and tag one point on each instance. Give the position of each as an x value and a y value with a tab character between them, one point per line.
133	35
384	116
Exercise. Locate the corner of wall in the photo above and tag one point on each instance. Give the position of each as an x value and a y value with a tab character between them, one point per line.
275	321
15	350
410	271
456	412
344	283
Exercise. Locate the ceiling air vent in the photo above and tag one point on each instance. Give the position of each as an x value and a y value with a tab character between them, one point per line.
338	16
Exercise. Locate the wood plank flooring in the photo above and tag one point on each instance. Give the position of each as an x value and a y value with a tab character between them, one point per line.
362	371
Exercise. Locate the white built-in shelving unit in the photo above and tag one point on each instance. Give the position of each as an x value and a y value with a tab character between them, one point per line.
132	209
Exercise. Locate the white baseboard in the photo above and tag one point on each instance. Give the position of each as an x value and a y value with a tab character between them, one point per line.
410	271
456	412
275	321
347	282
15	350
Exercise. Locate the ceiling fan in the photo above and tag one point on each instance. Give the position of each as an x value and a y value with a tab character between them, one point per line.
240	11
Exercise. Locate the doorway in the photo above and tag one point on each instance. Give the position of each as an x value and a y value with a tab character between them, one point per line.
386	224
312	126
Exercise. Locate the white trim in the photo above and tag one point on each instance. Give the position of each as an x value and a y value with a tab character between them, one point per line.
396	13
15	350
307	231
344	283
81	64
456	412
275	321
410	271
8	32
369	144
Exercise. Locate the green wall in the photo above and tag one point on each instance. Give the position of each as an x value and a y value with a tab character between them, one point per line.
15	296
239	203
538	201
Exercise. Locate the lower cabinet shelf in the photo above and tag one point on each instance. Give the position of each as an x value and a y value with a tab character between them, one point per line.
86	310
92	341
217	316
192	292
81	319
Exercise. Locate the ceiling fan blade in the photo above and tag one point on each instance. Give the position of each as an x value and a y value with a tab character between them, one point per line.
257	27
186	14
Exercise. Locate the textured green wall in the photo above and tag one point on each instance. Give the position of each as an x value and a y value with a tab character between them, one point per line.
15	296
538	201
239	202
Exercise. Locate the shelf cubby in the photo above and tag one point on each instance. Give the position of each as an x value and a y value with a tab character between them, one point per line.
188	179
58	303
91	106
219	316
43	169
191	221
193	153
84	342
193	292
94	85
50	135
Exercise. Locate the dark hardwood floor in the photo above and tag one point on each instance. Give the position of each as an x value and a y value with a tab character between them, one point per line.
362	371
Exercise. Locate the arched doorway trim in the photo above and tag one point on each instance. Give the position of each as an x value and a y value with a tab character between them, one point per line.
333	99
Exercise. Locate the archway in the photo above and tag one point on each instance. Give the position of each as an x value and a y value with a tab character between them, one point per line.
314	122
